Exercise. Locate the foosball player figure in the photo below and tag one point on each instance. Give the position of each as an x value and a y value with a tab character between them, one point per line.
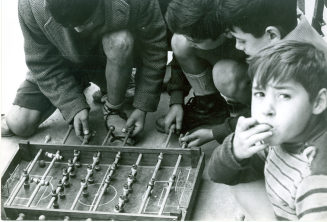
26	179
151	184
35	180
130	181
62	193
72	168
97	166
134	170
96	158
21	216
121	201
107	181
65	174
85	193
125	190
55	196
113	166
66	218
76	154
118	209
91	179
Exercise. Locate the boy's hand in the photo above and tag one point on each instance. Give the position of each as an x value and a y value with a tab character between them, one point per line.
248	136
198	137
81	123
136	120
174	116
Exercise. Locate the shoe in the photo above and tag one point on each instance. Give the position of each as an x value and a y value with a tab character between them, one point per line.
117	119
204	110
5	131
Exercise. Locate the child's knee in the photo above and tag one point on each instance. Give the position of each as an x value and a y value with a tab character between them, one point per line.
118	46
228	75
180	46
22	121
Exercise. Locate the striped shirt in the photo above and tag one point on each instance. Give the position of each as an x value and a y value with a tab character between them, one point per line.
293	190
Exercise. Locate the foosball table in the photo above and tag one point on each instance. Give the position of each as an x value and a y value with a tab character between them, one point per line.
101	182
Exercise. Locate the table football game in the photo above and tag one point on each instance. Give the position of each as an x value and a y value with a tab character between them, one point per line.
101	182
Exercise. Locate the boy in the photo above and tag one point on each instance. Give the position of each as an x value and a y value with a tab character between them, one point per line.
69	43
287	130
202	48
256	24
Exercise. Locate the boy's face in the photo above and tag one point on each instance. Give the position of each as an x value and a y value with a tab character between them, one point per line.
248	43
285	107
206	44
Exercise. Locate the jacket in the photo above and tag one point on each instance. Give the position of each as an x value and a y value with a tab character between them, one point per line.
48	45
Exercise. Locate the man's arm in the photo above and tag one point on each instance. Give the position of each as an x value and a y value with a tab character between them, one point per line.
48	68
151	33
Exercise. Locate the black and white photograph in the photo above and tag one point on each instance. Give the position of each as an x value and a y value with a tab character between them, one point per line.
168	110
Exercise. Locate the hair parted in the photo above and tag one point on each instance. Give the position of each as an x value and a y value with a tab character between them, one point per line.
71	12
291	60
195	18
254	16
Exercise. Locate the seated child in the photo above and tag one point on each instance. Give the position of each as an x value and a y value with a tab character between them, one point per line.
287	133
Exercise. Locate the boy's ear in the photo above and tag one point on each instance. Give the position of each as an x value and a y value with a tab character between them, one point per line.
273	34
320	103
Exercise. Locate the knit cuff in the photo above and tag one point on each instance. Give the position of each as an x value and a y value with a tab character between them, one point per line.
176	97
220	132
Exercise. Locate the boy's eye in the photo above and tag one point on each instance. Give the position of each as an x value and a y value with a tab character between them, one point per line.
284	96
258	94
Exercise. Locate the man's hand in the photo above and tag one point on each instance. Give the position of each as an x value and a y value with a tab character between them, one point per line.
136	120
198	137
174	116
81	123
248	136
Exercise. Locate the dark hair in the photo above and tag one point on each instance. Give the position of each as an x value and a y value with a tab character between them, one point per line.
195	18
291	60
71	12
254	16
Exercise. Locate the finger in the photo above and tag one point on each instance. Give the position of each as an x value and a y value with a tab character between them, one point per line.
193	143
245	123
77	127
168	122
130	123
179	124
188	137
85	124
256	130
257	148
258	137
137	129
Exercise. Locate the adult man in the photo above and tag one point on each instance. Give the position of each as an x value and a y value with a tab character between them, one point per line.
71	42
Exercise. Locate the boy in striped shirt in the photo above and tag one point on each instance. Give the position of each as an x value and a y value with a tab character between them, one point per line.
287	133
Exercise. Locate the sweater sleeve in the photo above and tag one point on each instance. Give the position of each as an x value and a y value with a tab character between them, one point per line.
47	67
311	198
151	33
224	168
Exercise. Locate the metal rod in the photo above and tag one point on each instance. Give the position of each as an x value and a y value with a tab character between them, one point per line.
170	184
111	130
63	181
22	179
42	179
95	160
70	127
104	184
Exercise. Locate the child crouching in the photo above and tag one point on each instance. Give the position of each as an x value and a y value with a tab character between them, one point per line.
287	131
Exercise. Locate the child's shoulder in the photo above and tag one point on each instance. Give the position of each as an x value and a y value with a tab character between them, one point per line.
319	163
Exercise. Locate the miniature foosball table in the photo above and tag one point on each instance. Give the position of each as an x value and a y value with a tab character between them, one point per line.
101	182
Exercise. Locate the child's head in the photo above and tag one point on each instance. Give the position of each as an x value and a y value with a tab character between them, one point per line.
257	23
196	20
72	13
289	88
